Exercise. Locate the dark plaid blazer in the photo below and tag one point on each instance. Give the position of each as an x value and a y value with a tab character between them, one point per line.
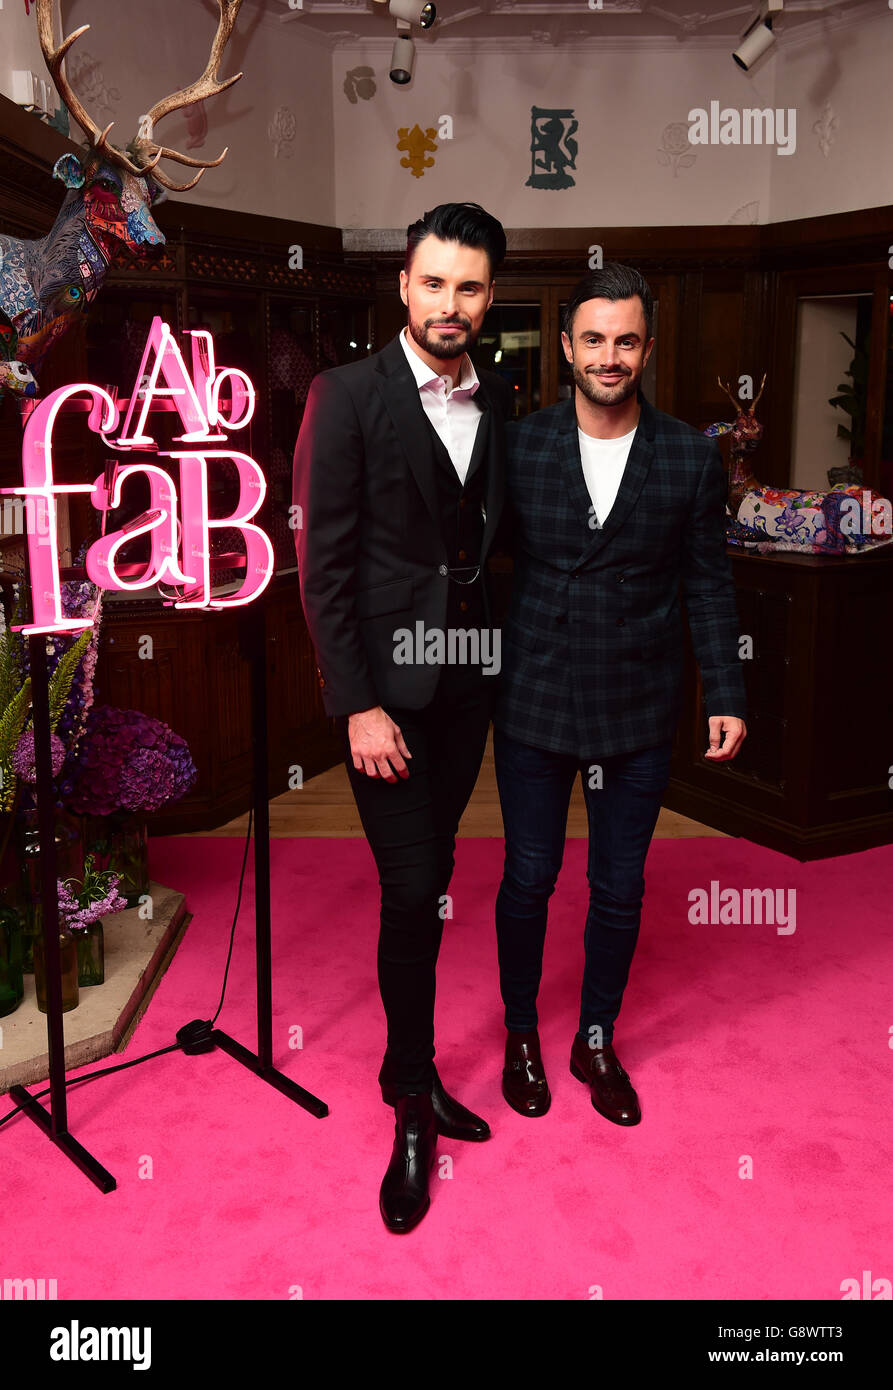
592	646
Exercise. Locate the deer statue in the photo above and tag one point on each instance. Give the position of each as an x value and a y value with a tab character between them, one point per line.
746	432
45	283
843	520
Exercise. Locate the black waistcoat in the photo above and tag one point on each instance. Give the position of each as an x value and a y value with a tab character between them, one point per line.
462	525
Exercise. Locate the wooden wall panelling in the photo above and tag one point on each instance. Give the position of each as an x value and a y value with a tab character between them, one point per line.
175	684
300	732
882	281
665	289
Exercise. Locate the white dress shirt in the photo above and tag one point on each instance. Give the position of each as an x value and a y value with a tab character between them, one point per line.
604	461
452	410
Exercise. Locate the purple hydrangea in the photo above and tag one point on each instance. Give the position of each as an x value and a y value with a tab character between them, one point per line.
128	761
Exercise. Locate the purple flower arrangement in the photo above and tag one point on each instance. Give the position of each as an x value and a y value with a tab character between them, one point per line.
85	901
105	760
128	761
23	757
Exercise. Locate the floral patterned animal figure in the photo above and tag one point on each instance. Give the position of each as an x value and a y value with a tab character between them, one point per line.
15	375
746	432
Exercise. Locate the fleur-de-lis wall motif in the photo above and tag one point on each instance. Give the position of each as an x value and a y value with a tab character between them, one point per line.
417	143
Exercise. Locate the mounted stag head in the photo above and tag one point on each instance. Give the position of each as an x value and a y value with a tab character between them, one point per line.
44	284
746	432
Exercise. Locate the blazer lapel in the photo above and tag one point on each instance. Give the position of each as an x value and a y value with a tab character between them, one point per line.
492	450
401	397
571	465
638	463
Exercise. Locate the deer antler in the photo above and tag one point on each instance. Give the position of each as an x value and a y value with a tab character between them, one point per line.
206	86
54	58
737	404
759	393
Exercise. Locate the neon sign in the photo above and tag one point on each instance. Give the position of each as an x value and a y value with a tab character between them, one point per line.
178	528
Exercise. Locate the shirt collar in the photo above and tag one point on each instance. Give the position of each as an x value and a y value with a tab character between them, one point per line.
468	378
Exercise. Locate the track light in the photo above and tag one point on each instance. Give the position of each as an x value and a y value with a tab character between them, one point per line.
402	60
759	37
413	12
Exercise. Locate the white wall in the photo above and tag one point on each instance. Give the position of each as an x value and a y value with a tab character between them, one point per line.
850	71
343	168
623	99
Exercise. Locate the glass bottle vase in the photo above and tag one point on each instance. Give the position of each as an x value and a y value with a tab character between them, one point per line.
69	864
12	986
91	954
68	956
120	842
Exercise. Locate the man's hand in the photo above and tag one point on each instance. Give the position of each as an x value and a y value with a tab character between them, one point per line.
735	734
377	744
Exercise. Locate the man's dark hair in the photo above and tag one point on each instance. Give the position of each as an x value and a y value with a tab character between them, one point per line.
614	281
466	223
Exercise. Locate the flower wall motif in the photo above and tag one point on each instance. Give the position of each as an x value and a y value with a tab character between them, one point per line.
281	131
676	150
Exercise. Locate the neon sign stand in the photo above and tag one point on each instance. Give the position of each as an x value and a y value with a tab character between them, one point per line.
179	527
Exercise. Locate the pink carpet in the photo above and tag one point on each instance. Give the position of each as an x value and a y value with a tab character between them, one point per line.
745	1045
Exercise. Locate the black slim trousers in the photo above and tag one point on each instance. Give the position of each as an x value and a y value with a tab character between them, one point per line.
411	828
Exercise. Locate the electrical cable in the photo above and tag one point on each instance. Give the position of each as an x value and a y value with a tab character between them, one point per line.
194	1037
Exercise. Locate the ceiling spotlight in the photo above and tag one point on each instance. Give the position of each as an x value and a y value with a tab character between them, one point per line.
414	12
759	37
402	60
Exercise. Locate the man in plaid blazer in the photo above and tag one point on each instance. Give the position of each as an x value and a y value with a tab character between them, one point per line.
615	504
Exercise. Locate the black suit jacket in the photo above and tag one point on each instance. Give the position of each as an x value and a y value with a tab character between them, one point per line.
371	555
592	650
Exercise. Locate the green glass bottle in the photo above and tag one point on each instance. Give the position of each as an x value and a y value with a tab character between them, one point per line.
69	864
120	842
68	953
12	986
91	954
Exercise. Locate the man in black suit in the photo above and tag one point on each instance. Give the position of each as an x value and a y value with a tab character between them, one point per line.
399	475
616	503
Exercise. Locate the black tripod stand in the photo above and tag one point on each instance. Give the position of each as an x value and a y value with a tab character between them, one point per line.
197	1036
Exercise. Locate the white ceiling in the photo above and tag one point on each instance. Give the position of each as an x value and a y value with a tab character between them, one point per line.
512	24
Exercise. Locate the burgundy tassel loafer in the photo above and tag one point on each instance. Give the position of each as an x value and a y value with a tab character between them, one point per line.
524	1083
610	1087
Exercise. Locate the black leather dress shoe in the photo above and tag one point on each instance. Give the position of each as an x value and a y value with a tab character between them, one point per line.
524	1083
453	1121
611	1089
404	1197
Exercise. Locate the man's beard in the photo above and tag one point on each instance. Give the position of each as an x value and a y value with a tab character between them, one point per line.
443	348
594	391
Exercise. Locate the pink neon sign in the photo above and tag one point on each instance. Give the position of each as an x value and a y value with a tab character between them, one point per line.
178	528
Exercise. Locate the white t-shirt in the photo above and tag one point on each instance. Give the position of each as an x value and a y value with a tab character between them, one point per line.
603	463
